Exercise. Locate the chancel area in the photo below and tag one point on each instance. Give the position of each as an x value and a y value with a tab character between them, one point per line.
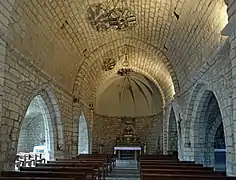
117	89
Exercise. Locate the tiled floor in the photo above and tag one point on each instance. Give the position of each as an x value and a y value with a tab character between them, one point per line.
125	170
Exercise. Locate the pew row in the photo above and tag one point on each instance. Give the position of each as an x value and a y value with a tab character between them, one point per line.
34	178
44	174
162	167
89	171
157	176
96	169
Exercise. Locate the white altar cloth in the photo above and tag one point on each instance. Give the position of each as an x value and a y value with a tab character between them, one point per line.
128	148
137	150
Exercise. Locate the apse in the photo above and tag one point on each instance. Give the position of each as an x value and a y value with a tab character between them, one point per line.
129	94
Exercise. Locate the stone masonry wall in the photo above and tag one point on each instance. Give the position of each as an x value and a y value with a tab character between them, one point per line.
32	134
107	129
232	40
23	81
215	76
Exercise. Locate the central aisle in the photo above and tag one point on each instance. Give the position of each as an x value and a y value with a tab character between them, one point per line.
125	170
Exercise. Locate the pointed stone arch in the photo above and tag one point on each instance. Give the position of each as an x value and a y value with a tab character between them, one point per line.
189	118
206	121
172	133
83	135
191	115
36	129
49	107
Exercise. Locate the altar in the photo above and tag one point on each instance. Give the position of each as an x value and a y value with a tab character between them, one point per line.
127	153
128	146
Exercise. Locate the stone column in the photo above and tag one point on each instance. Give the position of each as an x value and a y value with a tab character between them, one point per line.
230	30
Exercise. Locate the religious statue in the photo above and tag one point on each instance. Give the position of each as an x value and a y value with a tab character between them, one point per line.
179	124
128	143
145	149
128	130
128	136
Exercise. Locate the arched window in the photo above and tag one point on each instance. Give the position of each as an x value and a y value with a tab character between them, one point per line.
83	136
172	134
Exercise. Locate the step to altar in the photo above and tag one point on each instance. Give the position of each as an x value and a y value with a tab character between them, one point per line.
125	170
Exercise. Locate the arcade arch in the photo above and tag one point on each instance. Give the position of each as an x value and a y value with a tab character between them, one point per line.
206	128
36	133
172	133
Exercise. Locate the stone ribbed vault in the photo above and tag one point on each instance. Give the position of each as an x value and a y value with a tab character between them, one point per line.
170	40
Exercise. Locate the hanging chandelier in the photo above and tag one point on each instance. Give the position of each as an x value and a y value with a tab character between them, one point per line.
113	14
125	70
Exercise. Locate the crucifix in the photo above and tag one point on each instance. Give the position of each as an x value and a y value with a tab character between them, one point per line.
179	124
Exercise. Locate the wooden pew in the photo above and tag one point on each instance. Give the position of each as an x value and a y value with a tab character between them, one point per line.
34	178
147	176
77	176
169	167
168	162
158	157
175	166
107	165
102	166
98	168
178	171
89	171
165	161
110	157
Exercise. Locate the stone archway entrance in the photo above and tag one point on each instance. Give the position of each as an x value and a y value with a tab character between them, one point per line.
83	136
172	134
36	133
208	131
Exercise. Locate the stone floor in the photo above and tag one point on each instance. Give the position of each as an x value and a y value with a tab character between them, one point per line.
125	170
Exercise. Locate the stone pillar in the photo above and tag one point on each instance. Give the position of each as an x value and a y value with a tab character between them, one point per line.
6	161
75	125
165	130
91	113
2	64
230	30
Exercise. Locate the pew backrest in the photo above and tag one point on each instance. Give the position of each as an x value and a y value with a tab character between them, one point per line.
78	176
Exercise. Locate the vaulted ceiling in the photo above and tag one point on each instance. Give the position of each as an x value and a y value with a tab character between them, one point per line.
169	42
129	95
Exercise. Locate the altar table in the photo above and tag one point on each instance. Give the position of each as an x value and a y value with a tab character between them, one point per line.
126	151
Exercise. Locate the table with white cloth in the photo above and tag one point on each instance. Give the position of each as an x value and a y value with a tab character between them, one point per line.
127	152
